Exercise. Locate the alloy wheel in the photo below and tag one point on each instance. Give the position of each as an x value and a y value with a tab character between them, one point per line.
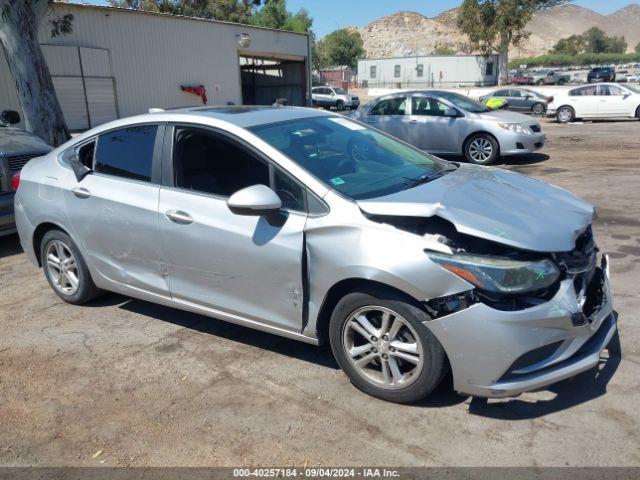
538	109
564	115
360	151
62	268
480	150
383	347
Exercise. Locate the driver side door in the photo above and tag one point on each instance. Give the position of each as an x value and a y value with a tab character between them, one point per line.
429	127
246	266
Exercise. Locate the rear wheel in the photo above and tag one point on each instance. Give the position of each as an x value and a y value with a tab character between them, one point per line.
481	149
638	113
380	342
65	269
540	82
565	114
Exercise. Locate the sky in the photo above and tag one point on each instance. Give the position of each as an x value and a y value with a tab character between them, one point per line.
330	15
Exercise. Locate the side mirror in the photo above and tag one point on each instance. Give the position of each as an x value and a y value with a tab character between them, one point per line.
451	112
79	169
254	200
11	116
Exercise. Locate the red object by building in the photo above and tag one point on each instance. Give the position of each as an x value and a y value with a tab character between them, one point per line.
200	90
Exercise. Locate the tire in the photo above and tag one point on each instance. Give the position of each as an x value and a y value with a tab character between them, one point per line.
481	149
638	113
405	381
70	279
340	105
561	82
540	82
538	109
565	114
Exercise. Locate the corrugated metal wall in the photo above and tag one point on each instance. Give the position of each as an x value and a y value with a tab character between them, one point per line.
150	56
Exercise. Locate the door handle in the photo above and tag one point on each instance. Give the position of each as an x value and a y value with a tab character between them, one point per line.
180	217
81	192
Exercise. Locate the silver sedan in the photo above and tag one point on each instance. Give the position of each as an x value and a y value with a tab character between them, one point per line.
448	123
409	266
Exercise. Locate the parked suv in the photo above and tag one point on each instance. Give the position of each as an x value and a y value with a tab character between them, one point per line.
309	225
17	147
328	97
601	74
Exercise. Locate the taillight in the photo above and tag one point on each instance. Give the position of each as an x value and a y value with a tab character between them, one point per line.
15	180
549	99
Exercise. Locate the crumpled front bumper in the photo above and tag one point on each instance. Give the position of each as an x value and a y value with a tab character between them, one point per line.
483	343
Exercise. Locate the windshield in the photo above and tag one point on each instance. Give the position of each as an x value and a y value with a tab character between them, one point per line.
465	103
340	91
355	160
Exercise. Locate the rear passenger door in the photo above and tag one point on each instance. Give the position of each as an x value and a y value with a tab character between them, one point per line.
247	266
113	210
391	115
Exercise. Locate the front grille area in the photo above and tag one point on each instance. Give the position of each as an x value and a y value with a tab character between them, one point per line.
535	128
16	163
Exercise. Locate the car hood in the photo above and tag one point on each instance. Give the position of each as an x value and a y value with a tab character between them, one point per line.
507	116
15	141
497	205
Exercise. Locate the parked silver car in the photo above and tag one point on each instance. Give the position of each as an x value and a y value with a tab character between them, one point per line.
442	122
408	265
521	100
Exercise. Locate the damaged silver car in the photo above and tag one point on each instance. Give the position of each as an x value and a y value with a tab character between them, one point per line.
408	265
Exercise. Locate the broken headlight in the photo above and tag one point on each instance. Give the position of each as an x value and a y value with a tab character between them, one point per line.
500	275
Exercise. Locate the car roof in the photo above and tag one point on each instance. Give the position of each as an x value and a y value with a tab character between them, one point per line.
248	115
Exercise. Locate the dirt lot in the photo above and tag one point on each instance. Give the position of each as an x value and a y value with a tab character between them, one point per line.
149	385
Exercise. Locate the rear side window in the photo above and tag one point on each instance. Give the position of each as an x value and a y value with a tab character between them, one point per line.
584	91
127	152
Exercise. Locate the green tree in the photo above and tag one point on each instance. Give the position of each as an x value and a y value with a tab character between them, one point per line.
495	25
572	45
274	14
638	48
342	47
237	11
19	22
596	40
443	50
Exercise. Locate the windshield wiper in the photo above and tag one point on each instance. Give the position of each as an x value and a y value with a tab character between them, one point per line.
427	177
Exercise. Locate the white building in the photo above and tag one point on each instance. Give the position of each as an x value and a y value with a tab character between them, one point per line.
120	62
428	71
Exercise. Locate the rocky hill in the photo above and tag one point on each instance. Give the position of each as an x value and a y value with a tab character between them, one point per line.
410	33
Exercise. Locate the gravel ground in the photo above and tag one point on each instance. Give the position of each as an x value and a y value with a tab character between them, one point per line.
147	385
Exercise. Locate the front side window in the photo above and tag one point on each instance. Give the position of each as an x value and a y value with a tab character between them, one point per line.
127	152
396	71
208	162
390	106
610	90
372	71
355	160
427	107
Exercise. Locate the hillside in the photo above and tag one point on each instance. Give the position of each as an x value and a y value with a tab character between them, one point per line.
410	33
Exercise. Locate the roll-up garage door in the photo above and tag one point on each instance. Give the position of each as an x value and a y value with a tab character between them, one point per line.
101	100
70	93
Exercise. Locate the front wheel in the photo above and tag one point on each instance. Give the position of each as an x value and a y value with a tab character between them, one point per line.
481	149
340	105
382	345
638	113
565	115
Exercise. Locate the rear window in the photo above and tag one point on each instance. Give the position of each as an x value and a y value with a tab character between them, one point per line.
127	152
